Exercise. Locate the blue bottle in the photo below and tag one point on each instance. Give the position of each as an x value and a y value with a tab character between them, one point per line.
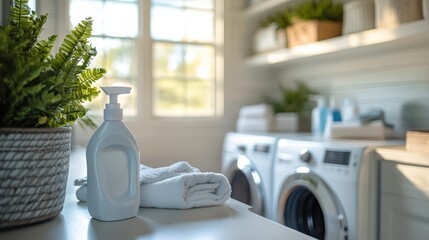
319	115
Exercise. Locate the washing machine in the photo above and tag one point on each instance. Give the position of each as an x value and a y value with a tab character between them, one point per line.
327	188
247	163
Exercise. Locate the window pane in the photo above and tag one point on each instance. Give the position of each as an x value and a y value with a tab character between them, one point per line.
81	9
32	4
199	26
116	55
199	61
120	19
200	98
175	24
180	97
111	18
169	97
193	61
168	59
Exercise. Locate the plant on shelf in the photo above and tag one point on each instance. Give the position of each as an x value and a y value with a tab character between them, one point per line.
293	99
40	96
282	19
292	110
319	10
271	33
315	20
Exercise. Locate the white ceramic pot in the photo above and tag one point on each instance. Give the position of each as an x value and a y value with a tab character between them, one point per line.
359	15
286	122
267	39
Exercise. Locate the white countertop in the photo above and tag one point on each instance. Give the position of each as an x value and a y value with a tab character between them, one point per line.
230	221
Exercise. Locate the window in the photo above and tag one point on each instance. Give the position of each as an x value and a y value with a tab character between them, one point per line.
183	51
184	57
115	32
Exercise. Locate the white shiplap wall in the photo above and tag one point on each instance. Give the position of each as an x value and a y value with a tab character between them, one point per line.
395	80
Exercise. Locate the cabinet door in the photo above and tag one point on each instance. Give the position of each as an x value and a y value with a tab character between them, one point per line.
403	218
404	202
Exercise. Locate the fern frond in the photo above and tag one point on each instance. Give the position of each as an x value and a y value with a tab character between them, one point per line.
89	76
37	89
43	48
20	15
71	69
79	35
89	54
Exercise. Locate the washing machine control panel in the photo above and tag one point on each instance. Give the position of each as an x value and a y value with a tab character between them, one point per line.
337	157
334	161
261	151
262	148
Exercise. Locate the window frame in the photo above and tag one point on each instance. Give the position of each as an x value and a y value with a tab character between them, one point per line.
145	80
218	61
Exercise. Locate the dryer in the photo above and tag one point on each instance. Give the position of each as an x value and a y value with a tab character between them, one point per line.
247	163
327	188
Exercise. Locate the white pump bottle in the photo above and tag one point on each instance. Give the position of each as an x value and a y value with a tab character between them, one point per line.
113	165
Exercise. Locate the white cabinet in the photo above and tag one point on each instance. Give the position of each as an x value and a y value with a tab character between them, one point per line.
408	35
404	200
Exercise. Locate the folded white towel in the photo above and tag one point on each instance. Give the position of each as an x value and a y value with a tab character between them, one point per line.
258	111
178	186
151	175
254	124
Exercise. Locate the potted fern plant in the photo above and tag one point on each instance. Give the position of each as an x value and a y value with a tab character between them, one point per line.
271	34
315	20
292	108
40	96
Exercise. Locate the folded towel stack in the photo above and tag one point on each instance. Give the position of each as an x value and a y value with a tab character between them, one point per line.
178	186
255	118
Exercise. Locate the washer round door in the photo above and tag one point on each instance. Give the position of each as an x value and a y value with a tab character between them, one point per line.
246	183
307	205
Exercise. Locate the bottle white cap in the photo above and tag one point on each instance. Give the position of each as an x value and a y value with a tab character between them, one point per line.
113	110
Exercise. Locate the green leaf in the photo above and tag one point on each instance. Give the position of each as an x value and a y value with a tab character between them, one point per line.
36	88
319	10
294	99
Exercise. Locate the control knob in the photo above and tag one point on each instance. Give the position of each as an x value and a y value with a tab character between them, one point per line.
305	155
241	148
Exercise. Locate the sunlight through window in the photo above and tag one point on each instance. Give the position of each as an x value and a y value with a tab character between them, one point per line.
184	56
114	34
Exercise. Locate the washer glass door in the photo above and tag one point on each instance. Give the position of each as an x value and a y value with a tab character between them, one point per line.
306	204
246	184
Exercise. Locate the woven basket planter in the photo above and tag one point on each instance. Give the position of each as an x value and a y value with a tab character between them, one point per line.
34	166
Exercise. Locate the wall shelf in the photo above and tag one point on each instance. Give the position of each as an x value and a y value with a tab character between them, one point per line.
259	9
407	35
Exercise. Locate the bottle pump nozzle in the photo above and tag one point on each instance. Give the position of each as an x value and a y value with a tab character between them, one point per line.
113	110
